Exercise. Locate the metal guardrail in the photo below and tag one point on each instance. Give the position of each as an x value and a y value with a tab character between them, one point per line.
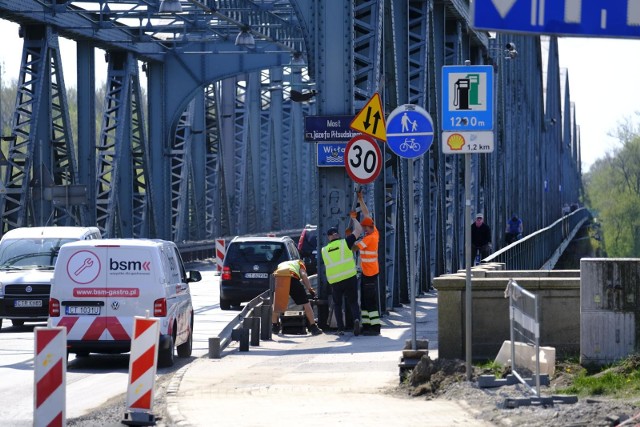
541	249
249	326
252	324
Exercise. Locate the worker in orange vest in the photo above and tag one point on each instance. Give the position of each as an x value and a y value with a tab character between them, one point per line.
368	247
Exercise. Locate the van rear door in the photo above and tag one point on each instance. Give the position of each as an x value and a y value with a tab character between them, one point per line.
131	287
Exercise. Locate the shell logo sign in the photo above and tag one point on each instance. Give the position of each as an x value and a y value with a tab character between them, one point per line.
455	141
467	142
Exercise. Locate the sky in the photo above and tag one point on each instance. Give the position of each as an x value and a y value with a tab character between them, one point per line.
604	81
604	84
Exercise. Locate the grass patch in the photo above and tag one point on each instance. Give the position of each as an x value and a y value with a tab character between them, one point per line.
491	367
621	379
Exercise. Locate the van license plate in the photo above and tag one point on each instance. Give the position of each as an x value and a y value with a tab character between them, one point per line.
80	309
27	303
256	275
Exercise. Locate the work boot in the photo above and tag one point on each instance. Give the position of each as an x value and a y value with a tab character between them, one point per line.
356	327
275	328
314	329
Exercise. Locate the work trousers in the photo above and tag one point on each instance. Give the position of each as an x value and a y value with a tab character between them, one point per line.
345	289
370	311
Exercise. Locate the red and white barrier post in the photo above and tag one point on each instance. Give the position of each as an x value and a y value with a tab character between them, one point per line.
221	248
143	363
50	371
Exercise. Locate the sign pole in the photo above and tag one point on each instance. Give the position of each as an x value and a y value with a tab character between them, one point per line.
412	281
467	233
409	135
467	292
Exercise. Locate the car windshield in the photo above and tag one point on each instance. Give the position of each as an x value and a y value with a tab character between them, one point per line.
40	253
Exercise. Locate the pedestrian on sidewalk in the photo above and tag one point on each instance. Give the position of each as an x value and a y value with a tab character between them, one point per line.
342	273
368	247
298	273
480	237
513	230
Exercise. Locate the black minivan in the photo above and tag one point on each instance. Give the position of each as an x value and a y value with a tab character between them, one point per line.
247	265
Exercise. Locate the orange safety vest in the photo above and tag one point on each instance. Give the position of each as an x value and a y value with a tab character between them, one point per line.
369	253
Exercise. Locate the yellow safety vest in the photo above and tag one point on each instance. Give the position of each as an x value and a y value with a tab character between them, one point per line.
292	266
338	260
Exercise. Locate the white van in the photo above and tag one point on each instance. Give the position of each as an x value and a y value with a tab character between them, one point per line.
27	258
99	286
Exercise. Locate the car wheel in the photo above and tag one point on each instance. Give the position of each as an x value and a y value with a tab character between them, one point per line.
184	350
17	322
165	355
225	304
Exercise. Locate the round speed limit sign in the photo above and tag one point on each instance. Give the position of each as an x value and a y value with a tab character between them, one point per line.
363	159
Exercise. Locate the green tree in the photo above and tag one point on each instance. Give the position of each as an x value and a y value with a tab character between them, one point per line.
613	189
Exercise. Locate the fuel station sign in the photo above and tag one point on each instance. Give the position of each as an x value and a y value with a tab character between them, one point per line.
467	98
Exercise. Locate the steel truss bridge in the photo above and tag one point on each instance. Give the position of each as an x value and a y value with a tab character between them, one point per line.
213	146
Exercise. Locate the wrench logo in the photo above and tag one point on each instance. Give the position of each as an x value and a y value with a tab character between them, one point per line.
88	262
83	267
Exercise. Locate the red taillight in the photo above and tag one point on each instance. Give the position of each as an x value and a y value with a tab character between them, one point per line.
160	307
226	273
54	308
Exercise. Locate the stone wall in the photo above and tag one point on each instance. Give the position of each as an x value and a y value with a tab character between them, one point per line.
559	300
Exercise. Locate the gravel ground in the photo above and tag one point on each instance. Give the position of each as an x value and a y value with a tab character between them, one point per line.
447	380
112	413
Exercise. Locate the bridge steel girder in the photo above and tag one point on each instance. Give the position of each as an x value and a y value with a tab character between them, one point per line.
77	27
41	155
331	31
123	186
168	99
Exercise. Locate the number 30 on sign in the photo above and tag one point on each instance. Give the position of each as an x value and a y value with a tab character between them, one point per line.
363	159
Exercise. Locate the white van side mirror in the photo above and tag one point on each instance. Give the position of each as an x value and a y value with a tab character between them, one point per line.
193	276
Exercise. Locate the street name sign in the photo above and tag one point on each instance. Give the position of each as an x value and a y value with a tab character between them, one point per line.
467	97
467	142
610	18
409	131
363	159
328	128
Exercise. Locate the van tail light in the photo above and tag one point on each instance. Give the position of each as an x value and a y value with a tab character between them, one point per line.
160	307
226	273
54	308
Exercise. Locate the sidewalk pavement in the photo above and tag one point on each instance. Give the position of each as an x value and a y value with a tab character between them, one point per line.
322	380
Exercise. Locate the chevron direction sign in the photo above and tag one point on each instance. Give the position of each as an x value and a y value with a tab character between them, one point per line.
599	18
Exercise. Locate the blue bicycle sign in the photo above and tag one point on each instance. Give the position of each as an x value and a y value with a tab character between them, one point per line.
409	144
409	131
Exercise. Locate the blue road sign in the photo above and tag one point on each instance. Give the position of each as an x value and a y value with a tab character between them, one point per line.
467	97
330	154
409	131
328	128
603	18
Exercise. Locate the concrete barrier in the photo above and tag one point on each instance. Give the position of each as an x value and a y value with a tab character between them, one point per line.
559	293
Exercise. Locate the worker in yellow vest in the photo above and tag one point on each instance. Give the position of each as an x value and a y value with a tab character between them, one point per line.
342	274
368	248
298	273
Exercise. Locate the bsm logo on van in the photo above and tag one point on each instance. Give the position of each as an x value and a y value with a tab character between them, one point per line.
129	266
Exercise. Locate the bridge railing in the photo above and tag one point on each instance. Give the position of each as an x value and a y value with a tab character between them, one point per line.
541	249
